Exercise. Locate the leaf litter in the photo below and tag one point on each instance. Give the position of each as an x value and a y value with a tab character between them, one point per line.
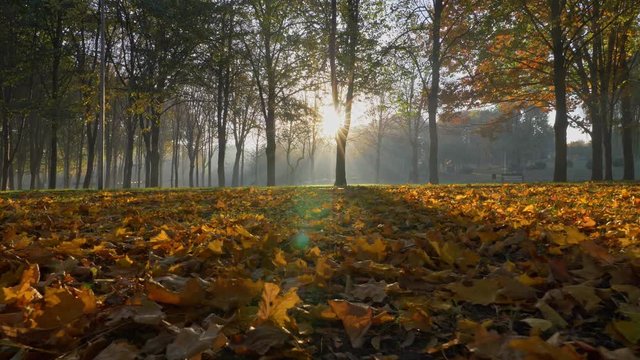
388	272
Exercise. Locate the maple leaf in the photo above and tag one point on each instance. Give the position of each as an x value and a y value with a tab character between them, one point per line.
231	293
369	250
536	348
482	291
273	307
191	292
356	319
62	307
192	341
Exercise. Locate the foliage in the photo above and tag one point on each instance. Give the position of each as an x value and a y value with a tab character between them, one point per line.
514	271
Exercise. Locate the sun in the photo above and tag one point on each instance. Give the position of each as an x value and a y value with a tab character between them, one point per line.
331	121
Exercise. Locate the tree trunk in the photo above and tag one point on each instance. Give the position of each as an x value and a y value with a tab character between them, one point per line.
36	150
236	167
128	153
413	176
343	132
560	92
91	151
108	156
80	158
608	152
6	138
223	104
154	154
191	168
627	118
378	151
175	151
67	159
242	168
596	143
55	97
596	106
432	110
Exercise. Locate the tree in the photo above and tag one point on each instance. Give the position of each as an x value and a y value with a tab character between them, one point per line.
381	116
352	18
354	37
243	120
17	67
159	42
431	36
281	50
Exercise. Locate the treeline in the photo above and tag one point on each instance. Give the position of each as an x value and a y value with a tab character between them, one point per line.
193	84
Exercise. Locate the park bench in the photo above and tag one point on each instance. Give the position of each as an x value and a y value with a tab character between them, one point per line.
512	177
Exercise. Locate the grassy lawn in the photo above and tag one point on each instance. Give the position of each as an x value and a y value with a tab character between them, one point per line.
374	272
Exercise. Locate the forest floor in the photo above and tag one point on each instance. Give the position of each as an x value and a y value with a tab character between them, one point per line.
375	272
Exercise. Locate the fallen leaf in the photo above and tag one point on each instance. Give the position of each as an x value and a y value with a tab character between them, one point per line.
120	350
536	348
192	341
274	307
482	291
356	319
264	337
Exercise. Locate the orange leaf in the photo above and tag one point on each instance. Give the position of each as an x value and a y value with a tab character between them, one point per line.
356	319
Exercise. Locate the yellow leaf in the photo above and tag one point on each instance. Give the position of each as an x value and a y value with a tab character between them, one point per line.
161	237
538	325
482	291
233	293
240	230
585	295
415	318
279	259
630	330
121	232
124	262
366	250
536	348
273	307
190	294
61	308
551	315
215	246
324	270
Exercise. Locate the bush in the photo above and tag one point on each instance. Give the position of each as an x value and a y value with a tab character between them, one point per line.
466	170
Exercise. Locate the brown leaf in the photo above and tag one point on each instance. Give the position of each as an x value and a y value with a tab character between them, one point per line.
120	350
192	341
264	337
376	291
356	319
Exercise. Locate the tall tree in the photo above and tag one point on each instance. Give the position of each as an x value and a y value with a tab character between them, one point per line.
281	49
352	31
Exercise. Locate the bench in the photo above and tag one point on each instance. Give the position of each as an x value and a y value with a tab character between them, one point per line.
512	177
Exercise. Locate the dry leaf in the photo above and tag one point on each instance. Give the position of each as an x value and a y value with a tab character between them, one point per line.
356	319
